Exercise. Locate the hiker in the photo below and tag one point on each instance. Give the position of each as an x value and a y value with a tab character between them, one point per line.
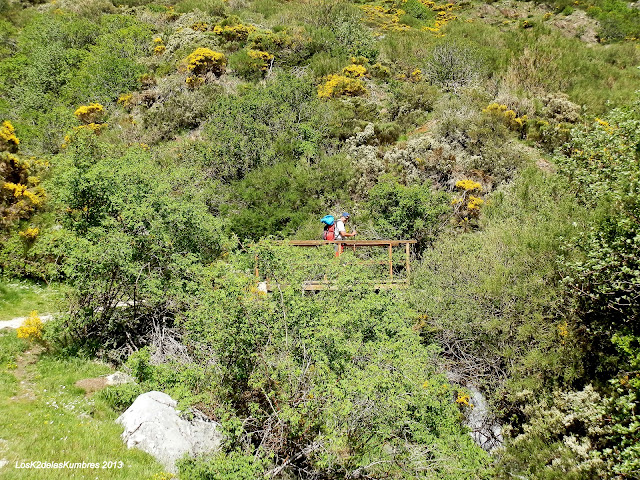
341	232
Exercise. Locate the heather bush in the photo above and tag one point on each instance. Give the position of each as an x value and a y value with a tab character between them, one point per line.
453	66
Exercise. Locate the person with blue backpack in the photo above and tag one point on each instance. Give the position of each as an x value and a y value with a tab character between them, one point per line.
336	230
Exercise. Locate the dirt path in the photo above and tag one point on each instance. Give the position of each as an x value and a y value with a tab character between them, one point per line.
23	361
16	322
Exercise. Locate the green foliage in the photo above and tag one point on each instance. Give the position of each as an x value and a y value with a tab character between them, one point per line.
602	165
246	66
454	65
120	397
407	211
262	126
229	466
618	20
212	7
494	294
324	385
355	38
132	240
418	10
277	200
105	72
138	363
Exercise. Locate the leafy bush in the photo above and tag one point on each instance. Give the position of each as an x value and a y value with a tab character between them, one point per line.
132	240
120	397
250	64
454	66
105	72
602	166
503	281
212	7
339	85
407	212
204	60
339	377
277	200
261	126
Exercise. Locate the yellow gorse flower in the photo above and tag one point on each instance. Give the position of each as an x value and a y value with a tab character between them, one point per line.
31	328
339	85
234	32
204	60
8	139
89	113
464	399
264	57
30	233
468	185
509	117
354	71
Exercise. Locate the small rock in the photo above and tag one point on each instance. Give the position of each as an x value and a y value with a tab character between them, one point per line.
118	378
152	424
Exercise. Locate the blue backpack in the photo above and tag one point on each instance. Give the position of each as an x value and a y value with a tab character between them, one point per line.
329	227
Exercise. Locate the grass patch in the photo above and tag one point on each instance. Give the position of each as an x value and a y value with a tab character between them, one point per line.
48	419
19	298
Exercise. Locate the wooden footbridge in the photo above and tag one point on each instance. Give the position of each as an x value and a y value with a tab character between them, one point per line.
394	272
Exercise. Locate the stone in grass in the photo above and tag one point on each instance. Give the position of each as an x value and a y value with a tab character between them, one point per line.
90	385
152	424
118	378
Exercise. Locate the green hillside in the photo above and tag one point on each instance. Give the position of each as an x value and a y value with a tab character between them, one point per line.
154	154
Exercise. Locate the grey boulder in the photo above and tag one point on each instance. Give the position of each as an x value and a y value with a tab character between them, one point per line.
153	425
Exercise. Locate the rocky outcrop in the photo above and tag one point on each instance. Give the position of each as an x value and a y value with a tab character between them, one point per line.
153	425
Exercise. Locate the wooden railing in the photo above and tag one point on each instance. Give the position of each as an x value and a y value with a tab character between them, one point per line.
382	283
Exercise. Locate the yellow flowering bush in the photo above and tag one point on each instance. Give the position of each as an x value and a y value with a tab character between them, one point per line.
354	71
467	206
507	116
20	192
194	82
200	26
8	140
605	126
126	100
234	33
468	185
263	57
30	234
204	60
159	46
444	16
385	18
339	85
89	113
31	328
380	71
464	399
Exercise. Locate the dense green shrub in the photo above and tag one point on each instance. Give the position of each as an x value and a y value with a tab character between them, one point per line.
120	397
408	212
343	390
491	298
229	466
105	72
277	200
132	240
281	120
601	163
